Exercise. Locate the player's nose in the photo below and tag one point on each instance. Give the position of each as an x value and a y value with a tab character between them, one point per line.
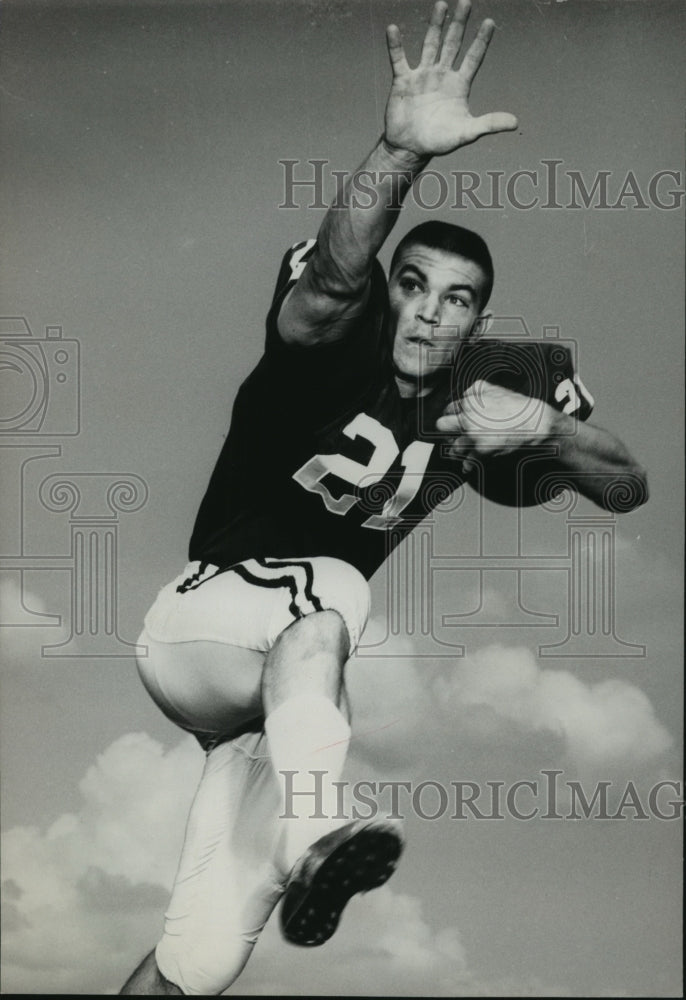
429	310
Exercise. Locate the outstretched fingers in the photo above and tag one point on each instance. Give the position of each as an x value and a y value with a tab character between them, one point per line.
396	52
455	33
432	39
477	50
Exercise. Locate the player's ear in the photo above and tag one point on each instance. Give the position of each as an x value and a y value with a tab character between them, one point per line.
481	325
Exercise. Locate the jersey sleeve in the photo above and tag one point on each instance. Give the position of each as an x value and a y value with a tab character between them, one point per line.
329	373
367	326
565	390
544	370
293	264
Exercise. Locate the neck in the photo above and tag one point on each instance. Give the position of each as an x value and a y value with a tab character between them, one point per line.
414	386
408	388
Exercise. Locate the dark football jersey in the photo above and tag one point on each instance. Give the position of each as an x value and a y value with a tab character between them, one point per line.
324	456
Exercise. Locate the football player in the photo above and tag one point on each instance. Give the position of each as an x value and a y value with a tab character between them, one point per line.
373	401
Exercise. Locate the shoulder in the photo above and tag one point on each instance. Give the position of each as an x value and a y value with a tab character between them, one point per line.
293	264
363	326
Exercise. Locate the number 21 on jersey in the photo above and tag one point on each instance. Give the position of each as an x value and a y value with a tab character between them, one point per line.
385	450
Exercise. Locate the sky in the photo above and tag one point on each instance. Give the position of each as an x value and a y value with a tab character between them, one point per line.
140	190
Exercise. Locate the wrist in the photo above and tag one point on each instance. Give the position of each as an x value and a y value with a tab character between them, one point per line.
402	158
562	434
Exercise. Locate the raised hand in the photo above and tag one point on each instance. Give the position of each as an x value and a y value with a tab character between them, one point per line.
427	111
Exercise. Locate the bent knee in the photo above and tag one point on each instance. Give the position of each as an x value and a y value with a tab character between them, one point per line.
318	632
338	587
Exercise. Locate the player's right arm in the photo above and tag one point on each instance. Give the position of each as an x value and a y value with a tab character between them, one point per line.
427	114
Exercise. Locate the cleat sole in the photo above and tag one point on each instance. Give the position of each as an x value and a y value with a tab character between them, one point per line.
323	883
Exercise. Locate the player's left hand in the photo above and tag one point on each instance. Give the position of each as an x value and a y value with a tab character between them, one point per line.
489	420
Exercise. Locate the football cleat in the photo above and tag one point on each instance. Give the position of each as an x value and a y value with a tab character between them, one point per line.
356	857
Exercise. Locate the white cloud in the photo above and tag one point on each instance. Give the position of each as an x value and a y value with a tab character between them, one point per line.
610	722
84	899
406	710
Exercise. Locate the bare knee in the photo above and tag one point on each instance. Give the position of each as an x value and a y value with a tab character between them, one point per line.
309	657
323	632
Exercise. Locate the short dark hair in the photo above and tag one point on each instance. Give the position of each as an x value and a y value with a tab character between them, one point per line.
451	239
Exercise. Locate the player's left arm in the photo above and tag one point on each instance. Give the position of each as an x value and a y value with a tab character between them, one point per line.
491	423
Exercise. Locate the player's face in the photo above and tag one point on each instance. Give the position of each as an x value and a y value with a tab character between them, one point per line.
434	299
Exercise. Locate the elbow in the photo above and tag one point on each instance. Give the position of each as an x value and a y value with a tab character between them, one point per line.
626	491
332	279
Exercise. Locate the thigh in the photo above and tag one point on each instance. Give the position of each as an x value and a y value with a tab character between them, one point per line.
205	641
209	688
